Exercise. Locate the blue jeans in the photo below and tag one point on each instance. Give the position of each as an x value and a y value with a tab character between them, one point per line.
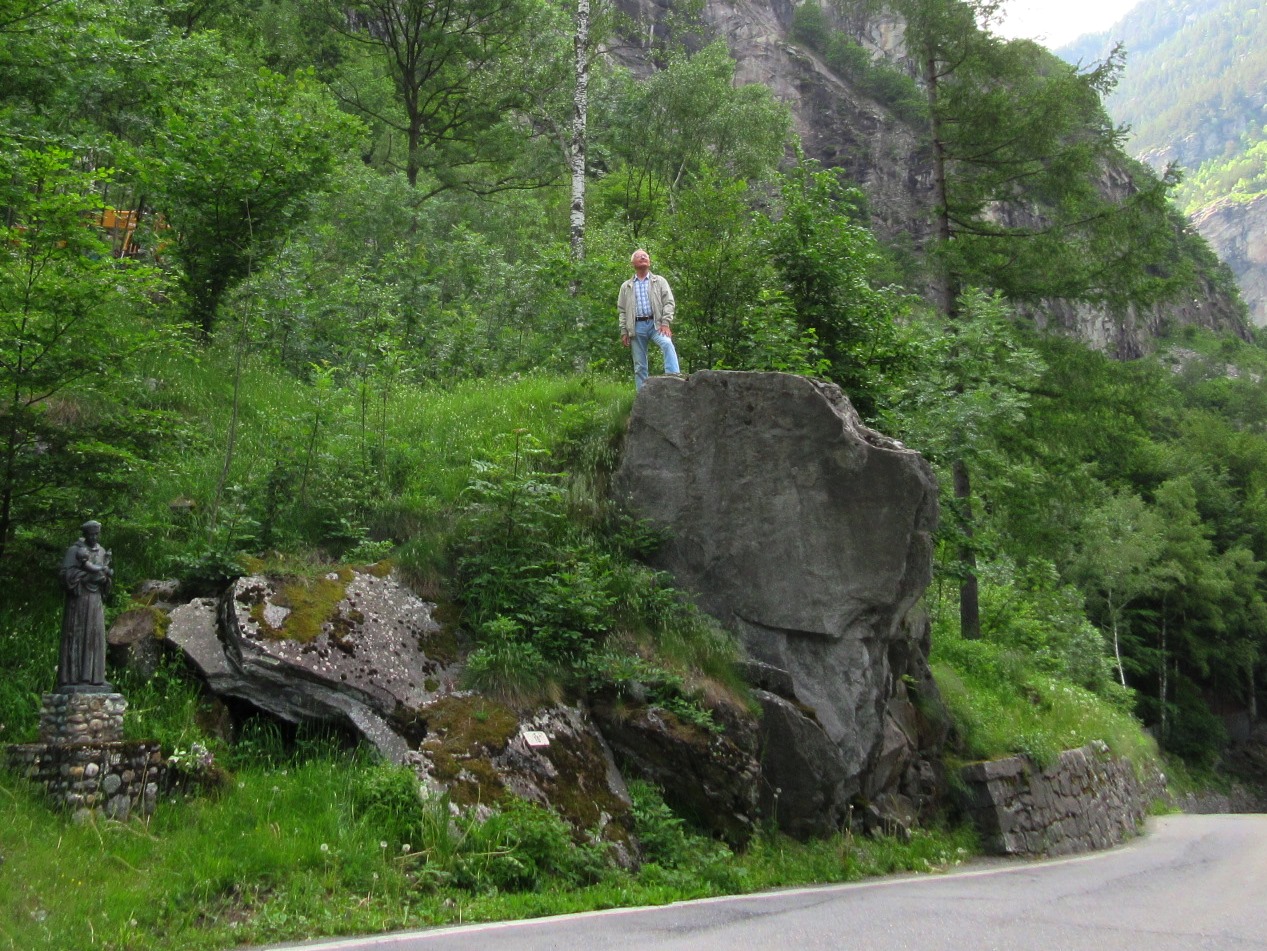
644	331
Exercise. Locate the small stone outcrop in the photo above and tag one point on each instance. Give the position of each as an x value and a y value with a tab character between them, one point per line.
711	776
360	651
1088	799
479	750
135	640
809	536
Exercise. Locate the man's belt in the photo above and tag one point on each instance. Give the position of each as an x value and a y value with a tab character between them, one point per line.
647	317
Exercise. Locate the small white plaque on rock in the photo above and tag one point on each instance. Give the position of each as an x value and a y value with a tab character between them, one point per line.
536	738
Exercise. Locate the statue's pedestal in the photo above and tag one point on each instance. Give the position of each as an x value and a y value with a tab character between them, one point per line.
83	761
74	716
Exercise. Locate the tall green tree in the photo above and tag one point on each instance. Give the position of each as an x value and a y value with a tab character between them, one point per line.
741	318
1021	153
825	258
72	319
959	409
232	170
1120	561
440	59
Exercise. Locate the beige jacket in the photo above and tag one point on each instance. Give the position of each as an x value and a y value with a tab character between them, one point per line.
662	304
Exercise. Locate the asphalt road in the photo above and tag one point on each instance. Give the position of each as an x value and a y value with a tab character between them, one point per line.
1192	883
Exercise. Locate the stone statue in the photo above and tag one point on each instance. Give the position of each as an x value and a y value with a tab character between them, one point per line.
86	577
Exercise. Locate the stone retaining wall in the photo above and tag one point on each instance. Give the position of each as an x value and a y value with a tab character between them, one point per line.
115	780
1087	800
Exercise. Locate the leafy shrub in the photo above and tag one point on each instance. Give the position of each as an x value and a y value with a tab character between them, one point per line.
664	838
386	797
521	847
1029	610
674	855
546	587
218	555
518	846
508	664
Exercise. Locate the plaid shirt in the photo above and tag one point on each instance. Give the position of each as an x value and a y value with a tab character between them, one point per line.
642	296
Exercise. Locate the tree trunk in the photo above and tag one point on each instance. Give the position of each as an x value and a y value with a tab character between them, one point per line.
8	485
948	291
1162	685
969	599
580	116
1116	654
946	288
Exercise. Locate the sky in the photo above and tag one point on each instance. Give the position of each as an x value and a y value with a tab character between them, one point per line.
1056	22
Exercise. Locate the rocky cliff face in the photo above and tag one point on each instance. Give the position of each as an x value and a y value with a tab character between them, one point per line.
843	127
1237	231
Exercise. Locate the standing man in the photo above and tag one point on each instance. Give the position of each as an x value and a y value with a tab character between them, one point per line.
646	308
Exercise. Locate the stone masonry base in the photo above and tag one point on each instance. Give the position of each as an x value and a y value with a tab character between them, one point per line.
1087	800
83	761
115	780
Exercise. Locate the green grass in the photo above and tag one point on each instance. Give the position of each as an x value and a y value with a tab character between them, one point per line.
29	633
285	853
392	475
1002	705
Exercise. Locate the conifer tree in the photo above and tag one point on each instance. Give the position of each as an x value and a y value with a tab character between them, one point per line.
1032	196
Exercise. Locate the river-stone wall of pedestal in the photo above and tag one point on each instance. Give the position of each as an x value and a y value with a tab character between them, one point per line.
82	717
114	780
1087	800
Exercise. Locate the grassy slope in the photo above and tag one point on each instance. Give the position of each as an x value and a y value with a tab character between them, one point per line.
282	852
280	855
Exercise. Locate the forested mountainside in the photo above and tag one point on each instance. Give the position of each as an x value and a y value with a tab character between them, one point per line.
1193	93
1195	80
855	95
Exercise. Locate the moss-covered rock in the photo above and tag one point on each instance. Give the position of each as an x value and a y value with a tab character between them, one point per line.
348	647
480	751
712	777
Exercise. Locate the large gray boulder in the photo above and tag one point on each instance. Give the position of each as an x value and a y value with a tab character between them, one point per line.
810	536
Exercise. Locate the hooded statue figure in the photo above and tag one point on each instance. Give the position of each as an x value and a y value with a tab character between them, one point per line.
86	578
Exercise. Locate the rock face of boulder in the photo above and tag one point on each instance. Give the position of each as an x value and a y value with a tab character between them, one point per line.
809	536
709	776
